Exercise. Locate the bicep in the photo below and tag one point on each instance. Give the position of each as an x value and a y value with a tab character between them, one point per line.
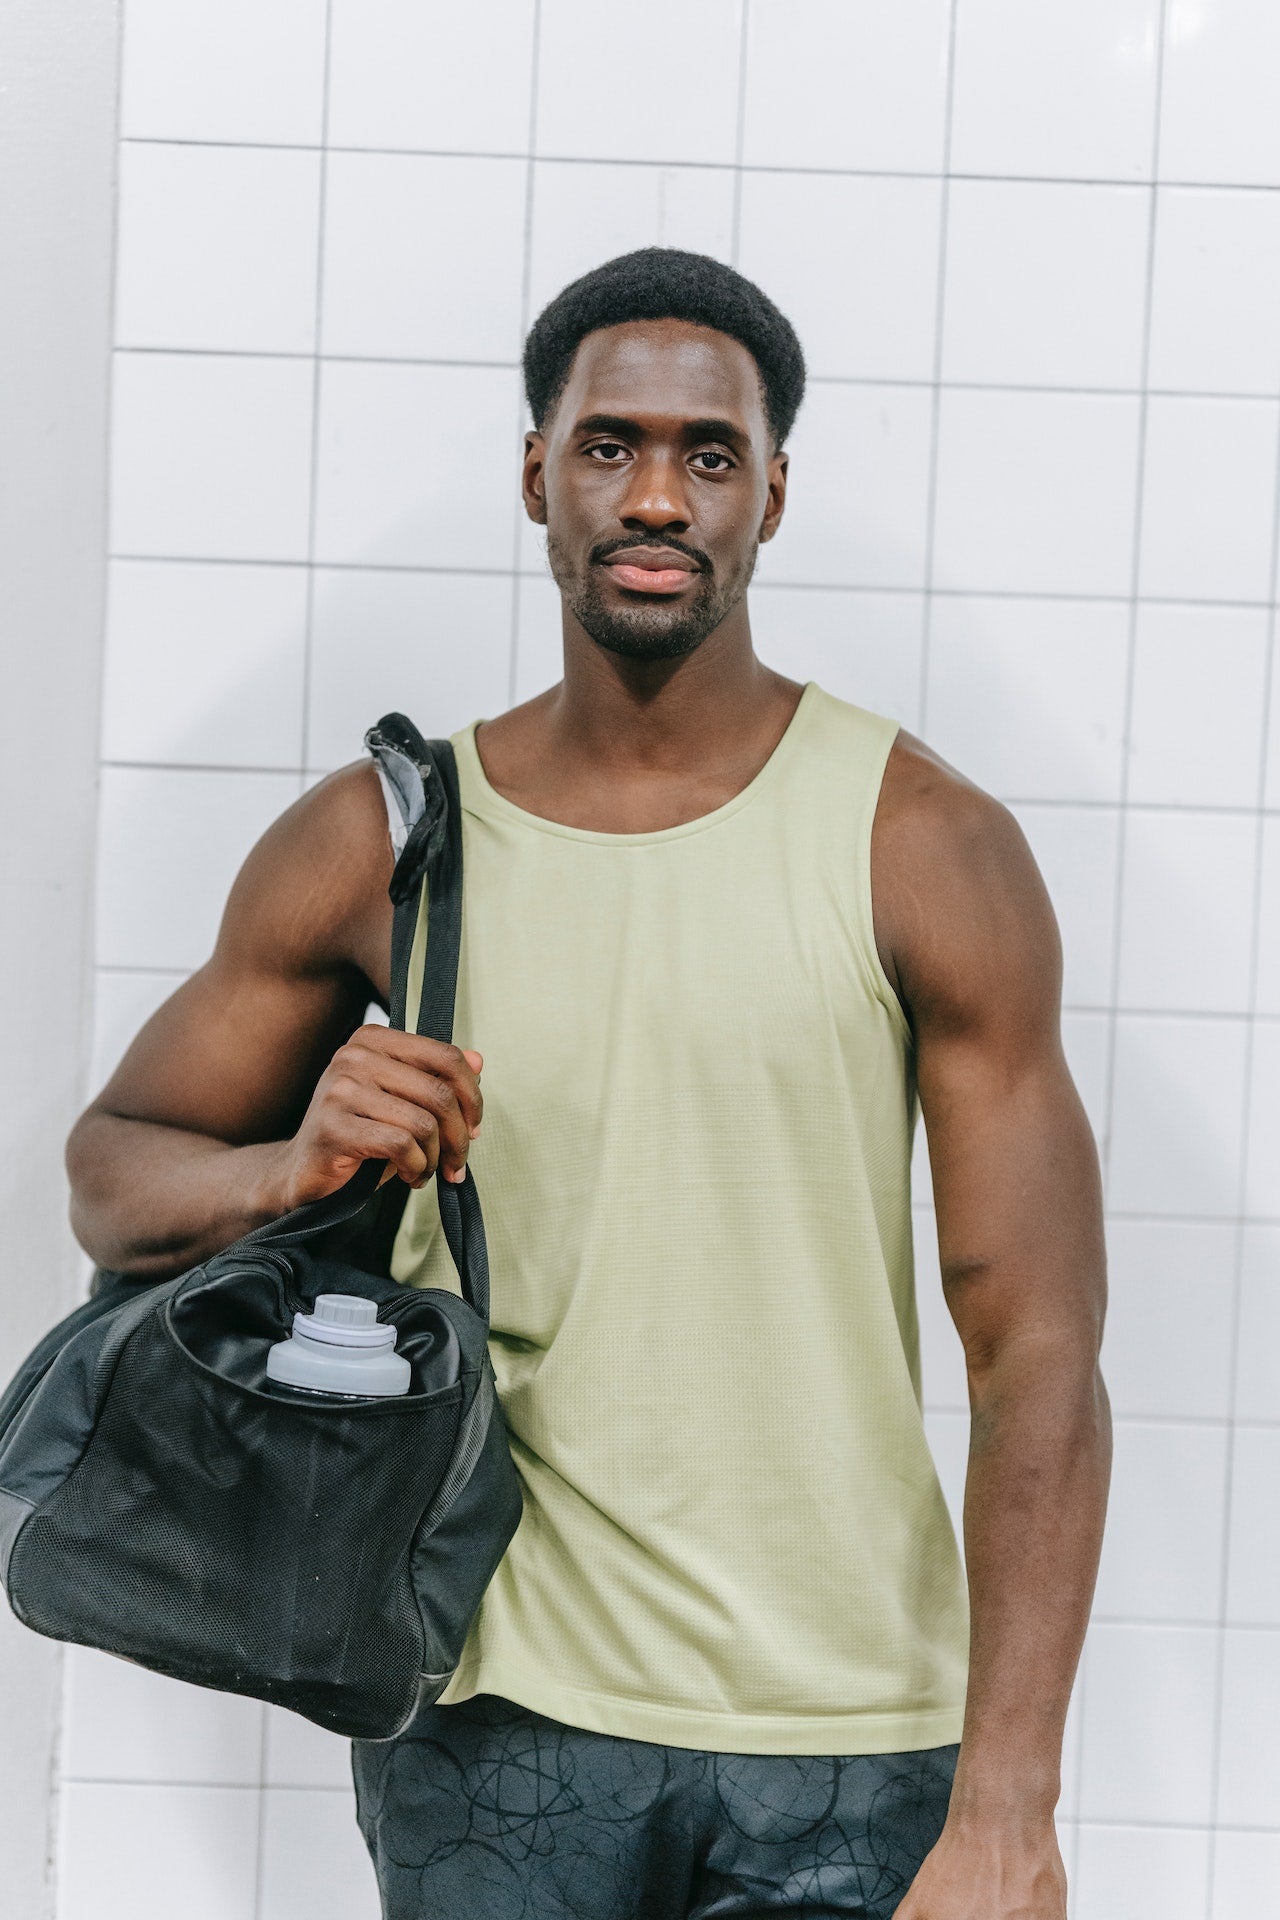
1014	1166
236	1051
233	1053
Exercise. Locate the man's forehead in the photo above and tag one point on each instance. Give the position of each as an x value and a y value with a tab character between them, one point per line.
667	367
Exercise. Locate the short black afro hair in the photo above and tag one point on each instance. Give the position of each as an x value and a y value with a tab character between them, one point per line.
664	283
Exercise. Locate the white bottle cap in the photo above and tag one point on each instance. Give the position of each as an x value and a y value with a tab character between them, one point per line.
344	1320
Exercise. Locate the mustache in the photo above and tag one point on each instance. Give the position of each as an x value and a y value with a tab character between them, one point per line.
608	548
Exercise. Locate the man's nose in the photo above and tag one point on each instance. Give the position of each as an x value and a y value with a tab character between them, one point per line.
656	496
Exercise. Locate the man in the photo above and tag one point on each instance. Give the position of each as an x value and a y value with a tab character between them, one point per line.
719	928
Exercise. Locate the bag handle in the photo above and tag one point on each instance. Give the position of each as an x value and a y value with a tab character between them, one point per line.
432	851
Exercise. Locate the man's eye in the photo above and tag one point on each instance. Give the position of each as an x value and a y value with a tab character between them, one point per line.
608	450
707	455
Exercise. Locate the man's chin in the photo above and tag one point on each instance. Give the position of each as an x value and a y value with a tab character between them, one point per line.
645	636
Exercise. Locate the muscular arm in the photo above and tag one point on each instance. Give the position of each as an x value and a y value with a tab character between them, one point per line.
971	942
255	1087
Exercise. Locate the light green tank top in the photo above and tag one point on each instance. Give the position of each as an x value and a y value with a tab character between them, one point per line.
699	1105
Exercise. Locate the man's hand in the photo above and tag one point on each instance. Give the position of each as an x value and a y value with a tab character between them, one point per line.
982	1872
385	1095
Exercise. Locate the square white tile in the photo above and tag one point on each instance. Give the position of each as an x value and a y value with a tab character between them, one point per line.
1208	492
857	490
1061	93
1215	296
1162	1554
1253	1567
417	466
216	248
948	1437
122	1005
223	70
423	256
301	1754
148	1852
204	663
864	303
1086	1041
539	659
921	1172
169	846
1070	1795
1176	1132
1147	1736
1258	1366
593	102
210	456
429	75
1035	492
1076	849
1268	1000
1263	1186
1196	729
584	215
1132	1873
863	647
1027	696
1249	1768
315	1865
1246	1873
946	1382
1167	1350
1186	917
436	646
121	1722
851	86
1217	113
1046	283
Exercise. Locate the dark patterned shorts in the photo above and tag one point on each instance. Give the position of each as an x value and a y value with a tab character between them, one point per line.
489	1811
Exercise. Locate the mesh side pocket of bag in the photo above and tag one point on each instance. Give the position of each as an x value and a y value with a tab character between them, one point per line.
192	1538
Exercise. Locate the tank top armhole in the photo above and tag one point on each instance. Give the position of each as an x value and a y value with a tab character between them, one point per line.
880	982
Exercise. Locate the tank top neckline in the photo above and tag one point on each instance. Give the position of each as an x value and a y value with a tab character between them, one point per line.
481	798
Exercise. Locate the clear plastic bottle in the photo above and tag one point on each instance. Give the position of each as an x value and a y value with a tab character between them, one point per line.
341	1350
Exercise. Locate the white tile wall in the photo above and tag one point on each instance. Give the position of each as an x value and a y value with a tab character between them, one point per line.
1034	255
1060	93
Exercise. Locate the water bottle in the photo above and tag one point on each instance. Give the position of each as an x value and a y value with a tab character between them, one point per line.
341	1350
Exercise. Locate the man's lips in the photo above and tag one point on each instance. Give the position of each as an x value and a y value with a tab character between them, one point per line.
645	570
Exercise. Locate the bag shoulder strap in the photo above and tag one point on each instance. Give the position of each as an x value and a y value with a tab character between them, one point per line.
424	777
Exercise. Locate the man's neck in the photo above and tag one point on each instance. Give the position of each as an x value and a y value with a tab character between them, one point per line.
622	745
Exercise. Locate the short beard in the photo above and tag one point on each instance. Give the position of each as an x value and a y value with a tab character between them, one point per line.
649	629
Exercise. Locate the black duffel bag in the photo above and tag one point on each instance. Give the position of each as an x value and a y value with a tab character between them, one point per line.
158	1501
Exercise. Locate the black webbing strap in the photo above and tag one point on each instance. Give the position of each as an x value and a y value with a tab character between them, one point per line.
432	855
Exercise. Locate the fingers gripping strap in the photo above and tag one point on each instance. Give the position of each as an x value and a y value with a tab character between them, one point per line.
424	776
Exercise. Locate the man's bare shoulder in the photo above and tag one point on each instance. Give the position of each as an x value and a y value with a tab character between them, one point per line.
958	895
316	882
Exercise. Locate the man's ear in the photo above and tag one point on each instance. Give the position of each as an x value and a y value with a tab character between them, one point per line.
533	478
777	499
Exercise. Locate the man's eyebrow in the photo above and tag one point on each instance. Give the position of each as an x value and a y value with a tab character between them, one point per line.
716	430
607	423
693	431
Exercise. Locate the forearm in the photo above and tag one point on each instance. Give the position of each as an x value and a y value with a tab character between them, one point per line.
1035	1501
154	1200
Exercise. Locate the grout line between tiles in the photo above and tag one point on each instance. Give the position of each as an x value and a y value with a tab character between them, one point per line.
739	138
1242	1189
1131	641
526	295
1050	389
935	406
316	385
717	166
883	588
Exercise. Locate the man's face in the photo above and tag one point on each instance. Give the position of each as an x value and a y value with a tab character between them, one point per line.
656	479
